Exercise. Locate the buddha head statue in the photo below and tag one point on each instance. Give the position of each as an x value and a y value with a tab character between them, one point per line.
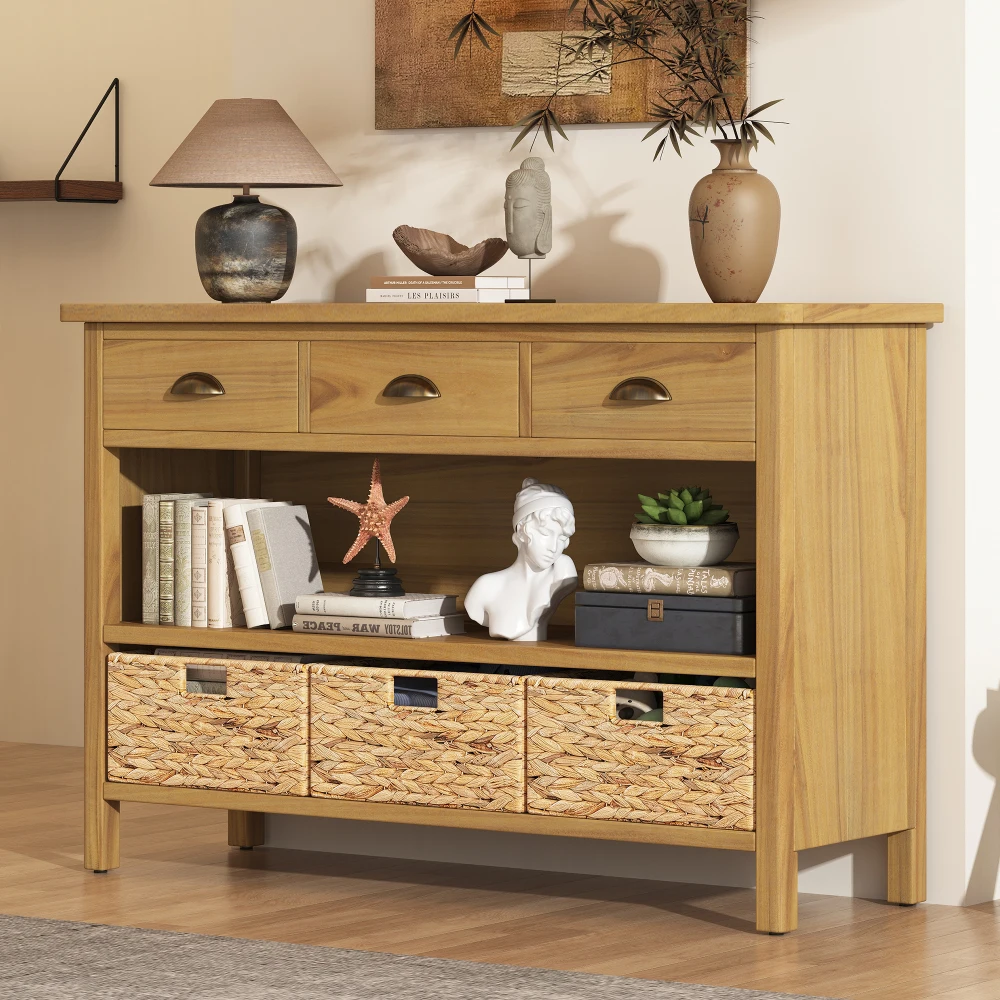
528	209
544	522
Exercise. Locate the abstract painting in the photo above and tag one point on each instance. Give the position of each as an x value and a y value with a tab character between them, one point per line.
420	84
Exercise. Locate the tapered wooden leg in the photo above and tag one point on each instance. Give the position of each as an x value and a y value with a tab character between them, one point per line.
908	867
246	829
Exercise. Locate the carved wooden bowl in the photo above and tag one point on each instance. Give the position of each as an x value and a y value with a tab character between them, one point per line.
440	255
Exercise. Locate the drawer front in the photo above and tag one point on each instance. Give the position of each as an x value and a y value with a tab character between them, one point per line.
478	386
694	768
260	381
711	388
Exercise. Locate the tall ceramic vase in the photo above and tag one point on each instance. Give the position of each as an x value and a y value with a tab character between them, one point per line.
735	216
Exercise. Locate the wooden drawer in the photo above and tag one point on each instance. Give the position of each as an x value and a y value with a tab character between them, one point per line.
711	388
260	381
478	384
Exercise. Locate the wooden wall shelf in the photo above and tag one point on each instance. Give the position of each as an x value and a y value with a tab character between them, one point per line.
95	191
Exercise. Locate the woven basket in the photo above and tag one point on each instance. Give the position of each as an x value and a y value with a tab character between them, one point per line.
466	753
254	738
696	768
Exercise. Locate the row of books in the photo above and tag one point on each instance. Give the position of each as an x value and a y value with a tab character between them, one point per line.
430	288
413	616
212	562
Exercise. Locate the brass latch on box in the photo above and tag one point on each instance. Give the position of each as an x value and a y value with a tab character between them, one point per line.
654	611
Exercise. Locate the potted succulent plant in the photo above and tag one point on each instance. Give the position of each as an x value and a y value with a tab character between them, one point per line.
683	528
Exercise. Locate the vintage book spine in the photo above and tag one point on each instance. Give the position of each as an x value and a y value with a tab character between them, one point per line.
182	560
199	566
265	569
400	628
150	559
422	295
410	606
166	563
244	564
732	580
449	281
219	610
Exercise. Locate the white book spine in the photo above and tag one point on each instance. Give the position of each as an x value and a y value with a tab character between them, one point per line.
182	561
424	606
150	559
398	628
265	569
422	295
245	565
199	566
219	610
166	562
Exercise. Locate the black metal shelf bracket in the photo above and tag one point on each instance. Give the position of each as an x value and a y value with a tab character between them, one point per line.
76	145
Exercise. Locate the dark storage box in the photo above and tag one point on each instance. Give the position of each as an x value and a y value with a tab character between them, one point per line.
670	624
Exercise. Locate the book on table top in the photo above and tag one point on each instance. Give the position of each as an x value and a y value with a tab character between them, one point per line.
384	628
449	281
286	559
243	561
224	607
407	606
429	294
151	552
183	574
735	579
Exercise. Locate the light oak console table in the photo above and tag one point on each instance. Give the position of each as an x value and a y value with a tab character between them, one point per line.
807	420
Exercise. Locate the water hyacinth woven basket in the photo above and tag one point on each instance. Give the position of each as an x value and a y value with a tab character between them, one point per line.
696	768
468	752
254	738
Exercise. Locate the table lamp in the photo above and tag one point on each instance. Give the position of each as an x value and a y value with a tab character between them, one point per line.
246	250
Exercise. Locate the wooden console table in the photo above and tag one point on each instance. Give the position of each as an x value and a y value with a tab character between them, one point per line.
808	420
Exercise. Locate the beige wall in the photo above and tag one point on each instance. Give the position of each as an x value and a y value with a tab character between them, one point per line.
59	56
873	209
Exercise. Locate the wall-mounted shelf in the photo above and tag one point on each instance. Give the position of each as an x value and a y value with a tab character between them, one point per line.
71	190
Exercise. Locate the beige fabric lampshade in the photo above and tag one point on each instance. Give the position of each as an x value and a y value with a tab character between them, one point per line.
246	142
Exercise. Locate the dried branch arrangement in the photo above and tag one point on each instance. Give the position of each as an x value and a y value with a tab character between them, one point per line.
693	40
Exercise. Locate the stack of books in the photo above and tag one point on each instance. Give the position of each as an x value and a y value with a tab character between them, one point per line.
428	288
413	616
210	562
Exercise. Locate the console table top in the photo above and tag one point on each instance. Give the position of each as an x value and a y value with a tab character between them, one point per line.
577	313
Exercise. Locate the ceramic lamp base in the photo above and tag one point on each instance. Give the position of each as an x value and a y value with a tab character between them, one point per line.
246	250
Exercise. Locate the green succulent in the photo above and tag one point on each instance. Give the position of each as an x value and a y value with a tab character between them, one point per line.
690	505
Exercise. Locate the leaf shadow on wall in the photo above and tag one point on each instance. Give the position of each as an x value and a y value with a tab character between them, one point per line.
598	267
982	883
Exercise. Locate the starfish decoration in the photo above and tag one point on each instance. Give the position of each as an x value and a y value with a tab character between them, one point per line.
375	517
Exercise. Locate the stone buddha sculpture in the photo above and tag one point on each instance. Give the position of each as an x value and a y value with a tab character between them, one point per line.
528	210
517	602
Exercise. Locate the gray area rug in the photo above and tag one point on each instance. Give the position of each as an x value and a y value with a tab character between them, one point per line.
58	960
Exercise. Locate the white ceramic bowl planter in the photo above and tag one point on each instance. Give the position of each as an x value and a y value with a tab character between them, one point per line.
685	544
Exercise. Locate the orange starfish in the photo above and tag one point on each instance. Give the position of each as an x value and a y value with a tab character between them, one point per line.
375	517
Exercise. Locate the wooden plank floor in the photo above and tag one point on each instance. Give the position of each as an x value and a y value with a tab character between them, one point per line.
178	874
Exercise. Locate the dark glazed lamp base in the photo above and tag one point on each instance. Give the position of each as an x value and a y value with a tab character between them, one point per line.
246	250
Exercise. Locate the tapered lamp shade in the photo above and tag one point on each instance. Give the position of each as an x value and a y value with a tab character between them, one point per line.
246	251
246	142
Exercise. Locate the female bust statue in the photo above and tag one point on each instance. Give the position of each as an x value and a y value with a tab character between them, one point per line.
517	602
528	210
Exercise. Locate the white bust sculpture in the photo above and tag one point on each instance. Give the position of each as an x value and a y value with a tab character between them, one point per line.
517	602
528	210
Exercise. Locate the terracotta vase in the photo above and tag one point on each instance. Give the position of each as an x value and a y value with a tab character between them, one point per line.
735	215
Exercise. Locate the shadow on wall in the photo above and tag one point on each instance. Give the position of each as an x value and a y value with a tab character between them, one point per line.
986	750
598	267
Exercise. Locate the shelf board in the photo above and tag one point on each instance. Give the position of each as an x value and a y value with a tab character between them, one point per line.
107	191
474	819
473	647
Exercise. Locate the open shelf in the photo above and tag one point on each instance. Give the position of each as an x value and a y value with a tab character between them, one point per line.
474	819
94	191
473	647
